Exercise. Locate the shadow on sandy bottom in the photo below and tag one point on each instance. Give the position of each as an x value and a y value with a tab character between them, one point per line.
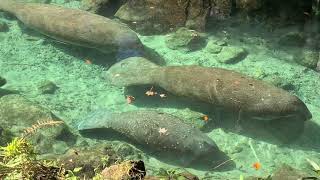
287	133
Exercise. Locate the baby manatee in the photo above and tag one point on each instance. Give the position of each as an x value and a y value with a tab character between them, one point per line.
160	134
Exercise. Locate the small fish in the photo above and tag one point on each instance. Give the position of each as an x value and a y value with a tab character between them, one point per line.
256	165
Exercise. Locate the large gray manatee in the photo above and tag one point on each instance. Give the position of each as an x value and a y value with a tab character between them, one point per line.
76	27
160	134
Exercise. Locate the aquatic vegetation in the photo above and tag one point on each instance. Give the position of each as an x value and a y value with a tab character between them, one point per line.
18	158
40	124
315	166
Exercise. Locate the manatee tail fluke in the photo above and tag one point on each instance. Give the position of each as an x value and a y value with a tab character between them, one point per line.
133	71
8	6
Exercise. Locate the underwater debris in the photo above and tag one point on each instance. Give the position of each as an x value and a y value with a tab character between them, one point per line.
186	40
134	170
130	99
162	95
163	131
315	166
88	61
151	92
256	165
205	118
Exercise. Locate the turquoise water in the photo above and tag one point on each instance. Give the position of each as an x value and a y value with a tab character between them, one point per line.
225	122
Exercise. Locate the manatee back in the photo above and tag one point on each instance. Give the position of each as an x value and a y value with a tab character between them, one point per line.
221	87
145	128
77	27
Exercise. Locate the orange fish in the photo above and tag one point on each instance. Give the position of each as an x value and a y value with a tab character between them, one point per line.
256	165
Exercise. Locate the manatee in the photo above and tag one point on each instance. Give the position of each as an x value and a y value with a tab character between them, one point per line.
179	143
225	89
75	26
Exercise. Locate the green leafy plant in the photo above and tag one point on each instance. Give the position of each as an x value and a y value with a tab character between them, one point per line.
18	158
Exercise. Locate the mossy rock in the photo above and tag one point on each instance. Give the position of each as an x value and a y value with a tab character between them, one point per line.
296	39
18	113
232	54
309	58
213	48
186	40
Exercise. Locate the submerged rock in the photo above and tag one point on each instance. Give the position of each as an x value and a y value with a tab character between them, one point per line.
89	158
213	48
286	172
308	58
249	6
185	39
292	39
102	7
231	54
125	170
93	6
17	114
158	16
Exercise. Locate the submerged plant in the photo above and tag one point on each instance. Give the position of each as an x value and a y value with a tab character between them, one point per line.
40	124
18	158
315	166
17	147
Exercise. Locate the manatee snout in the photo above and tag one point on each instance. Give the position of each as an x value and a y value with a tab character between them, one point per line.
300	109
209	156
285	107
